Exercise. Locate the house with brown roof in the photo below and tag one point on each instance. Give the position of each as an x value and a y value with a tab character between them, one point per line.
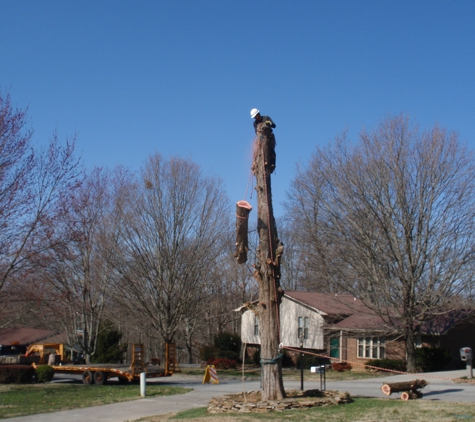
343	328
14	341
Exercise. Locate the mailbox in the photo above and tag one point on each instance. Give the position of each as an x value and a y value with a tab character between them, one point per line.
320	368
466	354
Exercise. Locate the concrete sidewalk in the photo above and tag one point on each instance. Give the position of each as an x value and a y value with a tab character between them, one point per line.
148	406
440	388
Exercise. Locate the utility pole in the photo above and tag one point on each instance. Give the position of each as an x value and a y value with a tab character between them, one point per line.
267	267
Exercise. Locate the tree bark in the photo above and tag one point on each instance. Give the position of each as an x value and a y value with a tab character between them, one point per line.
410	349
243	208
410	386
267	269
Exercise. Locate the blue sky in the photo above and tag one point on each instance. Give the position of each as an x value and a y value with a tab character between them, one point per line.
131	78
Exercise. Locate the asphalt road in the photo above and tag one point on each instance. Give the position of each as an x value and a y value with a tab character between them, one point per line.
440	388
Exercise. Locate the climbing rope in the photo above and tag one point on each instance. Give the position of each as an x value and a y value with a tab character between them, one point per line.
250	173
272	361
247	186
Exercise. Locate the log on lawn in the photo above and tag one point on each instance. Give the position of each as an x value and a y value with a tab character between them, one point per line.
409	395
408	386
243	208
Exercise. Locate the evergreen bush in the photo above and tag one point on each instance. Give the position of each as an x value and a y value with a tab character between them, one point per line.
229	345
109	349
44	373
430	359
16	374
309	361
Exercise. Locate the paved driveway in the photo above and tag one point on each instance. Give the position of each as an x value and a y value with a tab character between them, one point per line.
440	387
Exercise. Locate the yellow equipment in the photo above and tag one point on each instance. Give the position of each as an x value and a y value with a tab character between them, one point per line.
46	349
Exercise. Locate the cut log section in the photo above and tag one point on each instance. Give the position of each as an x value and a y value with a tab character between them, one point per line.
409	389
409	395
243	208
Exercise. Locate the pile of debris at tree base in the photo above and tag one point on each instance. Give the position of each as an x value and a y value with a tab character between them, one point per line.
251	402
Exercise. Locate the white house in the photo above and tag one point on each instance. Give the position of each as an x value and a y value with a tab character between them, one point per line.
299	322
342	327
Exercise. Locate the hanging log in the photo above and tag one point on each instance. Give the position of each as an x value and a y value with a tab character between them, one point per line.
407	386
243	208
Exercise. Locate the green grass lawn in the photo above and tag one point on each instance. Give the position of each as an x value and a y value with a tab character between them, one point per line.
20	400
362	409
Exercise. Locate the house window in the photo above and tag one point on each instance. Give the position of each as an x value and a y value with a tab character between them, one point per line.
303	328
372	347
256	326
418	342
335	347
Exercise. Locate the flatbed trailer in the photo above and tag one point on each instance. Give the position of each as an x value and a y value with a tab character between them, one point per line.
101	372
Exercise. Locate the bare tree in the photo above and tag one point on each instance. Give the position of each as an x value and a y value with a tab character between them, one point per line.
173	224
31	185
295	274
390	219
75	267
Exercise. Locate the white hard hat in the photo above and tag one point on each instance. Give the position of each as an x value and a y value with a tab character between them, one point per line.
254	112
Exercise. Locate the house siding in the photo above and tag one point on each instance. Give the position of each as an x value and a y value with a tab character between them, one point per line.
247	328
289	313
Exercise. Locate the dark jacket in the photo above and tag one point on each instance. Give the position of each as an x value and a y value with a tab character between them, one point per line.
264	119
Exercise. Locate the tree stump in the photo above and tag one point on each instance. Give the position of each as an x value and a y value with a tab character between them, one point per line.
409	389
243	208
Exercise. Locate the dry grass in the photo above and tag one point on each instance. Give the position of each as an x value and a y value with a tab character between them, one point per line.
362	409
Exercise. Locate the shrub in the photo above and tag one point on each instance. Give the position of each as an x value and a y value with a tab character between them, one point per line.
429	359
222	363
341	366
287	361
16	374
309	360
208	352
44	373
109	349
256	357
392	364
229	345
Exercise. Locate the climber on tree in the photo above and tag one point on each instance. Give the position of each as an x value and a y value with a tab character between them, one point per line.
256	115
263	126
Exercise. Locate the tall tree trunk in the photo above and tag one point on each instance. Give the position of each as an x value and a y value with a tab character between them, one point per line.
267	270
410	350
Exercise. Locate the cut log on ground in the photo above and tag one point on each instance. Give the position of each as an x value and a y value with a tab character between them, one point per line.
243	208
410	387
409	395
